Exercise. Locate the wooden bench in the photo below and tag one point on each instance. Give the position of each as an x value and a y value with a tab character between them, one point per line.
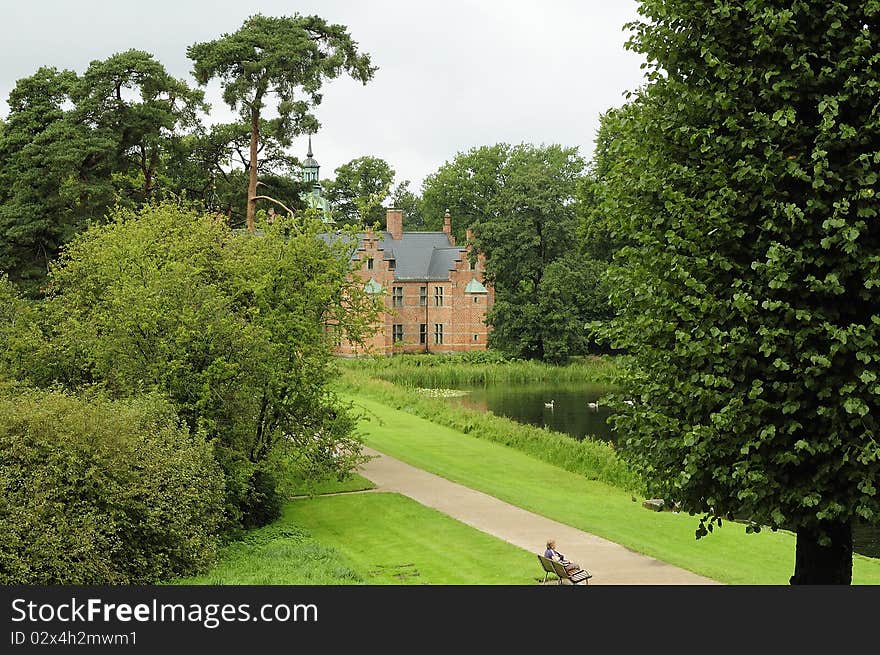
558	569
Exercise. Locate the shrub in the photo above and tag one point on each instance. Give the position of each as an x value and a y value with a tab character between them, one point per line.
95	491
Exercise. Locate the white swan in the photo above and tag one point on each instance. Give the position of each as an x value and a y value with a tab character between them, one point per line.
550	404
594	405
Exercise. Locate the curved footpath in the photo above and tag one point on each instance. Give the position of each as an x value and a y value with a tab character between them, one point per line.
610	563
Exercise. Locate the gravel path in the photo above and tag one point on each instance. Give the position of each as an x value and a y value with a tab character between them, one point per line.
610	563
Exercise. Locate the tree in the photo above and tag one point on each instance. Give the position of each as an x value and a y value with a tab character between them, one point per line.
359	189
404	199
524	221
74	145
288	57
468	187
54	175
745	175
211	166
132	100
232	328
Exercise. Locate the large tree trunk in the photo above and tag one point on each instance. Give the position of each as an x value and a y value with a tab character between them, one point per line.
818	564
252	170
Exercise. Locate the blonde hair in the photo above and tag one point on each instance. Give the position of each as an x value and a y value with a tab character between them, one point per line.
551	543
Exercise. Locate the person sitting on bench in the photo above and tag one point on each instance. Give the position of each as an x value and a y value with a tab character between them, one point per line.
553	554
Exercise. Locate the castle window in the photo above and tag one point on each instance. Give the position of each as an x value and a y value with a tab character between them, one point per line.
473	266
397	333
397	296
476	337
438	333
369	263
392	264
423	296
476	299
438	296
423	333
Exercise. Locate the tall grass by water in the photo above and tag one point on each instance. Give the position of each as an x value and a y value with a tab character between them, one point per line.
478	368
593	459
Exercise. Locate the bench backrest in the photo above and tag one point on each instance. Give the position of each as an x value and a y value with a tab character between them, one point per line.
547	564
559	569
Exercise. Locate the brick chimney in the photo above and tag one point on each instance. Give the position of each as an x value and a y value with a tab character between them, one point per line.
447	227
394	223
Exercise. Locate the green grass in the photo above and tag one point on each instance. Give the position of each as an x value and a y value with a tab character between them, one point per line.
395	540
593	459
728	555
378	538
302	487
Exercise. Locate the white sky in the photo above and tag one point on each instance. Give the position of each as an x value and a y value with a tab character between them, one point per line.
453	74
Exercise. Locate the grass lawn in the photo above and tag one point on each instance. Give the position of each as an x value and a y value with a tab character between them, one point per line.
729	555
353	482
377	539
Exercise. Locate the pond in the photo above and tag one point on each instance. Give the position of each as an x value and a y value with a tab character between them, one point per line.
571	414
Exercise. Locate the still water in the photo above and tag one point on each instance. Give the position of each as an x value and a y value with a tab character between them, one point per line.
571	414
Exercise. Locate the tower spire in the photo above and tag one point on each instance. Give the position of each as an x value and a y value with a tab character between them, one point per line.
309	153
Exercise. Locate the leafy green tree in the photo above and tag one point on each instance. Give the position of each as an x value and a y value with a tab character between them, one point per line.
745	174
403	198
528	223
468	187
289	58
74	145
359	189
237	330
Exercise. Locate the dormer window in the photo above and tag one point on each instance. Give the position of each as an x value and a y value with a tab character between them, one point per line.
392	264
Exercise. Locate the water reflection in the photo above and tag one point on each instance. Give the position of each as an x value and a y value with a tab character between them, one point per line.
570	412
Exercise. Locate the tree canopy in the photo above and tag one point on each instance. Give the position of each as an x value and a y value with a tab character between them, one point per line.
288	58
745	173
359	189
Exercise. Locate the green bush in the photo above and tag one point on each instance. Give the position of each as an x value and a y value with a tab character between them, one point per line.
95	491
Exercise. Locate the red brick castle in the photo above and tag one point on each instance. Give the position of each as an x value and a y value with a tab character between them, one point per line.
435	298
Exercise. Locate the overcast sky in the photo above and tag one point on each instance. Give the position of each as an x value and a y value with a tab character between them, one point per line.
452	74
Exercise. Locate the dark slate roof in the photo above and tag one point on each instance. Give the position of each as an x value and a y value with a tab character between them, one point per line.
417	255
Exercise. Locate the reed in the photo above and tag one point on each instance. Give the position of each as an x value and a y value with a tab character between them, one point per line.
478	369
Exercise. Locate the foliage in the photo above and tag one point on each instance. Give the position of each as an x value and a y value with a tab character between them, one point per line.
520	202
745	174
235	329
100	492
54	176
130	101
403	198
468	187
287	57
359	189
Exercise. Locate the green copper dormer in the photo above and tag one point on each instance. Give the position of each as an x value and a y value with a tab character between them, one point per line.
373	287
475	287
